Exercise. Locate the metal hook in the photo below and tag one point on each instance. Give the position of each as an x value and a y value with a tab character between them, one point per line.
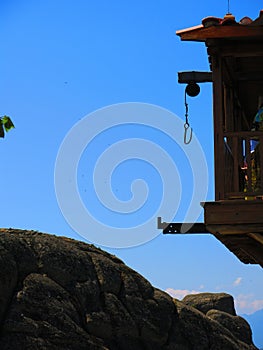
189	139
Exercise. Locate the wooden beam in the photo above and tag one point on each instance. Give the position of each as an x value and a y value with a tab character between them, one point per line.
242	50
245	134
218	112
235	229
234	212
194	76
247	249
257	236
236	50
251	76
220	32
243	195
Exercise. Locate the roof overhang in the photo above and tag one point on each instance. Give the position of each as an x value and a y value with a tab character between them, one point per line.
201	33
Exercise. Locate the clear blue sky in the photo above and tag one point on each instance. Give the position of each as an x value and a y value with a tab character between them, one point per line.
61	60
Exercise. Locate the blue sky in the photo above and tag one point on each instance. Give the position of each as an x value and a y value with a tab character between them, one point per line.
62	60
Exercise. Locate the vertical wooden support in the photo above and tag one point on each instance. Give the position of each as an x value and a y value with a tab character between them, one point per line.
228	108
249	165
218	127
236	163
261	162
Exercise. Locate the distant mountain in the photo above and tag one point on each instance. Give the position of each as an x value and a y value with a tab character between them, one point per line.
256	323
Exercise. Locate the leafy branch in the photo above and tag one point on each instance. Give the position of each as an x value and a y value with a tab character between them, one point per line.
6	125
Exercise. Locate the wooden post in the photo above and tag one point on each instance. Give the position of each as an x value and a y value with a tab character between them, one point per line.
249	165
219	161
236	163
261	162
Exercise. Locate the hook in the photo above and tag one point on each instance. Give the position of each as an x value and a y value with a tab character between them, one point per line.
186	124
189	139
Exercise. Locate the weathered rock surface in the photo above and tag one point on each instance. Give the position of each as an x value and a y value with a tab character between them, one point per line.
57	293
236	324
211	301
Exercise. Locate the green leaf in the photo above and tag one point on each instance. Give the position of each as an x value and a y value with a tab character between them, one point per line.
7	122
2	133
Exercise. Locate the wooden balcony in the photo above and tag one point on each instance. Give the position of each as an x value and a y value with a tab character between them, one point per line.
238	224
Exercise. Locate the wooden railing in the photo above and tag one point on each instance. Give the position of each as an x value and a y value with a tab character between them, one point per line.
243	166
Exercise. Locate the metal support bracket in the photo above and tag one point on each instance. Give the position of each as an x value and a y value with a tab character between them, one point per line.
175	227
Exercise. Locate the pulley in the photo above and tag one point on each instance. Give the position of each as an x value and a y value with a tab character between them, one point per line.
192	89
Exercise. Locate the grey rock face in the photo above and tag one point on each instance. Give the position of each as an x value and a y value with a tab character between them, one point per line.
236	324
58	293
211	301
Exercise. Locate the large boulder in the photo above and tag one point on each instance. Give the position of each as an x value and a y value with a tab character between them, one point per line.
208	301
57	293
236	324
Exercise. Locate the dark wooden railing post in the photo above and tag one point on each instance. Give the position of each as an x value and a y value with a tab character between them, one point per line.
236	163
249	164
261	161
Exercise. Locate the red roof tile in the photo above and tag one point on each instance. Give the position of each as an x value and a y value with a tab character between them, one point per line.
210	28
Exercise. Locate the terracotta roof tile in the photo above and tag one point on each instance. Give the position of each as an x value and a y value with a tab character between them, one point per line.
258	21
229	19
246	20
214	27
211	21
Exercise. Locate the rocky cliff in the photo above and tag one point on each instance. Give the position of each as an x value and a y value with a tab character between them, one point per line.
58	293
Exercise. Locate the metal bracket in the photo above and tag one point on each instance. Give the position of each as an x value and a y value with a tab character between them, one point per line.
176	227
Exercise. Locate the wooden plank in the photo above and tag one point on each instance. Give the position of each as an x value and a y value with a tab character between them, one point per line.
248	250
250	213
194	76
180	31
239	53
257	236
244	134
235	229
242	49
236	202
220	32
251	76
240	195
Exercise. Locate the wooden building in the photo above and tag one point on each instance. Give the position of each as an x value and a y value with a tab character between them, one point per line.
235	54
